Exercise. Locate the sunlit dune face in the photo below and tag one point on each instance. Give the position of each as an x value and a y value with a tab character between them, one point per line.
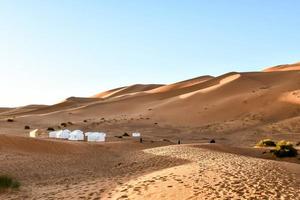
291	97
211	88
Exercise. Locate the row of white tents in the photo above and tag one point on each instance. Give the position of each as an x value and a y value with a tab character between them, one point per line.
78	135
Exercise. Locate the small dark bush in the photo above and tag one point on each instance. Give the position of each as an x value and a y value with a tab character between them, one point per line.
10	120
155	123
26	127
284	149
7	182
126	134
266	143
50	129
70	123
85	120
212	141
63	124
118	136
298	144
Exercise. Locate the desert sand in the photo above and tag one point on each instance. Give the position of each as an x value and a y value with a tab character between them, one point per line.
236	109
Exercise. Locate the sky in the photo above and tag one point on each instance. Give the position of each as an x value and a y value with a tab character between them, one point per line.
54	49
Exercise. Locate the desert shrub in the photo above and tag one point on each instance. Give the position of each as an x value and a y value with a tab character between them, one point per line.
7	182
10	120
212	141
70	123
298	144
119	137
63	124
85	121
26	127
284	149
266	143
50	129
126	134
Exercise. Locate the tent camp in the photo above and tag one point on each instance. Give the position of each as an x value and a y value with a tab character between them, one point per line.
95	137
63	134
136	135
35	133
76	135
52	134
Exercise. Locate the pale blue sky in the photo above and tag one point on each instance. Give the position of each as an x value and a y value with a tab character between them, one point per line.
53	49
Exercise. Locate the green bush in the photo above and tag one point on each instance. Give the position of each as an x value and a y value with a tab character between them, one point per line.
266	143
284	149
7	182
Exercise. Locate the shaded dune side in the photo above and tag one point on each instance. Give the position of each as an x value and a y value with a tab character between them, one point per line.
127	90
251	93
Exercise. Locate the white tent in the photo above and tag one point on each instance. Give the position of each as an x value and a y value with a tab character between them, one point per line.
136	135
52	134
76	135
88	133
63	134
95	137
35	133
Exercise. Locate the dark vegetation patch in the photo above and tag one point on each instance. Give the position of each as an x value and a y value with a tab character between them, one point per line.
212	141
7	182
63	124
284	149
50	129
125	135
26	127
266	143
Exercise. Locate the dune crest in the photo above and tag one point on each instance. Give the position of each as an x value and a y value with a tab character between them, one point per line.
208	89
287	67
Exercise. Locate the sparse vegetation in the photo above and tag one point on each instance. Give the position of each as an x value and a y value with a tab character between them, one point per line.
298	144
266	143
85	121
26	127
119	137
6	182
212	141
10	120
63	124
70	123
126	134
50	129
284	149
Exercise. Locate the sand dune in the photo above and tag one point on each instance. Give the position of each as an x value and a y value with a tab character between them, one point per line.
179	85
287	67
126	90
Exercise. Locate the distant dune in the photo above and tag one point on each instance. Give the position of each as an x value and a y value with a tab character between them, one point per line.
287	67
230	102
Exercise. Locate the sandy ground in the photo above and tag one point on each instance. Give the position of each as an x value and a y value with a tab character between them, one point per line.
213	175
50	169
